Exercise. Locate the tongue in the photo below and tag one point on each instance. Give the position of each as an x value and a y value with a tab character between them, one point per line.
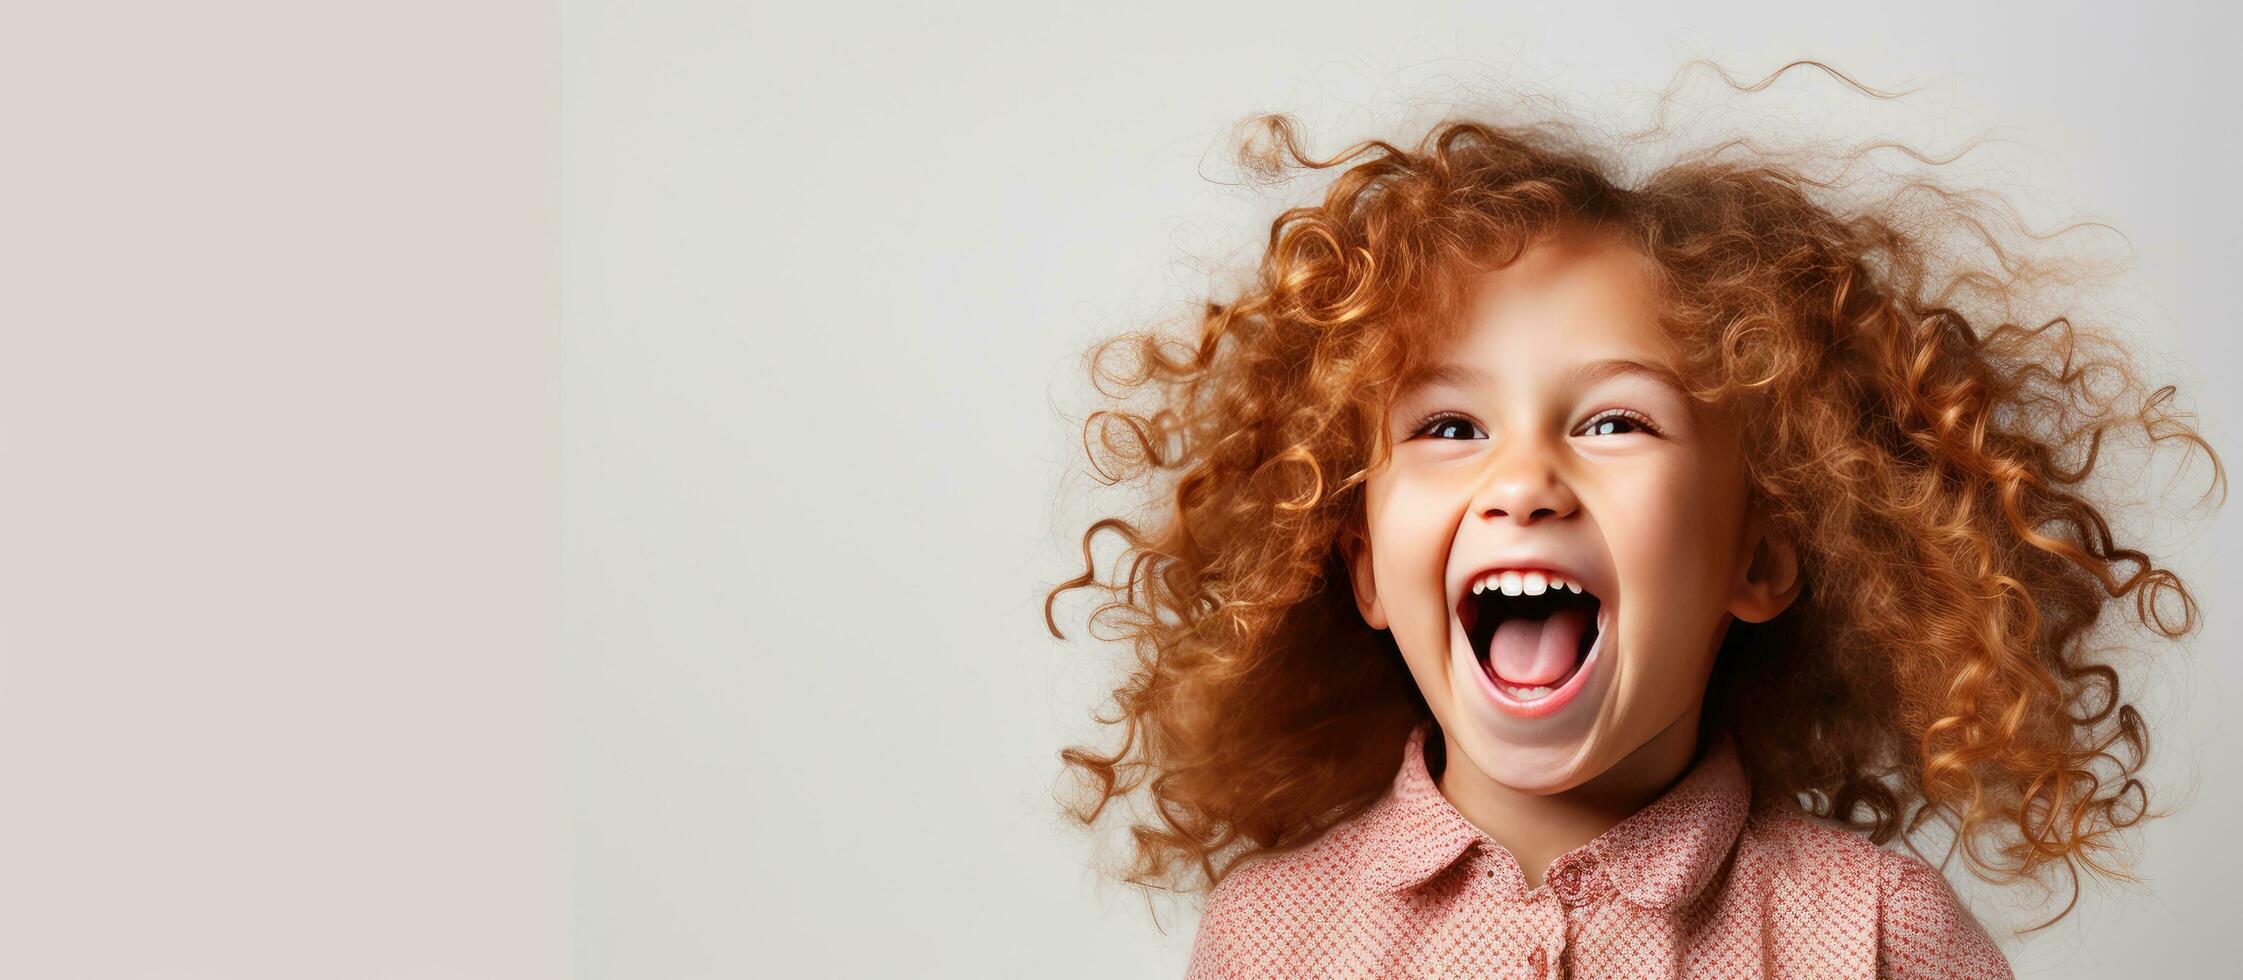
1536	652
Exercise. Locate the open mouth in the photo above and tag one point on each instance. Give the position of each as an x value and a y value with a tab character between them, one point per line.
1531	630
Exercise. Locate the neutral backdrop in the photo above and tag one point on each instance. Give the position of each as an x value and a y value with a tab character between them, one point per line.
526	491
279	492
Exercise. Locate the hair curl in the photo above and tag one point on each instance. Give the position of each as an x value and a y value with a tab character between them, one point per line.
1934	469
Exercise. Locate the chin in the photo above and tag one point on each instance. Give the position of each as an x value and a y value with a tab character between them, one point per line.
1537	769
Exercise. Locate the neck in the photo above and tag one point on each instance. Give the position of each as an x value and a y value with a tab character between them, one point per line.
1539	829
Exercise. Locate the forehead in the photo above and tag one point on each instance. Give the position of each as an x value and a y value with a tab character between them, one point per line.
1561	305
1585	370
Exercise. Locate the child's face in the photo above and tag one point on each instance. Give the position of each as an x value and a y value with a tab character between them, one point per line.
1561	449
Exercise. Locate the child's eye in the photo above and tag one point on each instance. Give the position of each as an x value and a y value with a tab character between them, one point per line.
1445	422
1625	418
1602	424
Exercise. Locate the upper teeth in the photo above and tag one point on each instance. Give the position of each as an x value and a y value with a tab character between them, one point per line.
1522	583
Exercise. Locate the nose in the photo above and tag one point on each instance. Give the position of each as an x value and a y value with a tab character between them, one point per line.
1525	489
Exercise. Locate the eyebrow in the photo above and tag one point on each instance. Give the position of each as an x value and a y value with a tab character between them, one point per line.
1459	375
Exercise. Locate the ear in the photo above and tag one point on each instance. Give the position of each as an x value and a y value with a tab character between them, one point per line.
1357	551
1768	579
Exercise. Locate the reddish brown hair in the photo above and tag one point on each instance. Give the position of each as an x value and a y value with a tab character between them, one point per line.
1932	458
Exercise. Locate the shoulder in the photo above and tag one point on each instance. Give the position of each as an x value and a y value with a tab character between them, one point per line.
1821	853
1815	881
1279	883
1923	929
1888	900
1266	903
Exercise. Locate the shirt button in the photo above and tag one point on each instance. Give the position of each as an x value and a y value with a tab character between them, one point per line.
1541	962
1574	884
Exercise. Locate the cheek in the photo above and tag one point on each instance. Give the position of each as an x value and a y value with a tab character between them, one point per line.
1673	536
1410	531
1672	522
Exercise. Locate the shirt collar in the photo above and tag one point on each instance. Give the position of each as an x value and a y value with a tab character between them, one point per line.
1663	854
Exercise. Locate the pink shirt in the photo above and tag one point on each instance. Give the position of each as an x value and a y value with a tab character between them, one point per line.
1701	883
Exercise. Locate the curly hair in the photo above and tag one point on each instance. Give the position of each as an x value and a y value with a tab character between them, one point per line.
1934	467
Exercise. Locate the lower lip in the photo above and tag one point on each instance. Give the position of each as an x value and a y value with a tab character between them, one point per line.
1550	703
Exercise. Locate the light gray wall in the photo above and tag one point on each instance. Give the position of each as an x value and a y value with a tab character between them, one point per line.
279	435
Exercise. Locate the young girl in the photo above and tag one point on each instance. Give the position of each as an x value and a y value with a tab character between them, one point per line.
1569	578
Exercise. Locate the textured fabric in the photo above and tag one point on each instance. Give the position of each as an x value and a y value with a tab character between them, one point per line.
1701	883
